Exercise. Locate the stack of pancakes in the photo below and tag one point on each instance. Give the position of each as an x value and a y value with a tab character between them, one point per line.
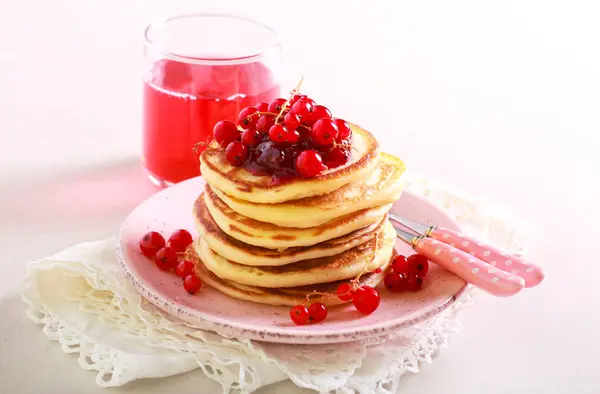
274	243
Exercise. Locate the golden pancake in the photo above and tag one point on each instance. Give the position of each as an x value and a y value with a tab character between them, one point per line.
285	296
240	183
369	255
242	253
383	186
271	236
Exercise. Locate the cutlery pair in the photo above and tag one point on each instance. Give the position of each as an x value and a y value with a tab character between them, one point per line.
484	266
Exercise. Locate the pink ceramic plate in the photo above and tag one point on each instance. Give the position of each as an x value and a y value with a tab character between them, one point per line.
171	209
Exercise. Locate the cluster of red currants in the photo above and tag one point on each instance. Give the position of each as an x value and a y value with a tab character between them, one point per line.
286	137
166	256
407	273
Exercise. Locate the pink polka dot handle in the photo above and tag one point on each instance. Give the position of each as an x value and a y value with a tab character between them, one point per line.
470	268
515	265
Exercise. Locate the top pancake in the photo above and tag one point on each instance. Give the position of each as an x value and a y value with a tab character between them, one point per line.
239	183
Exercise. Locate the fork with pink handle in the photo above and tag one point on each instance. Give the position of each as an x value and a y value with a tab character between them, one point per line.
489	268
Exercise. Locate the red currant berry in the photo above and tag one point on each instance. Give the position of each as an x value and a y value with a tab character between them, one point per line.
185	268
236	153
180	240
336	157
324	132
262	107
418	265
277	133
320	112
344	131
192	283
317	312
344	292
309	163
264	123
302	108
251	137
291	121
246	118
226	132
400	265
365	299
166	258
151	243
293	136
394	282
299	315
276	105
297	97
414	283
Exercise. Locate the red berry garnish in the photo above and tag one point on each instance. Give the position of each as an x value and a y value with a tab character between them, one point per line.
225	132
344	292
400	265
414	283
264	123
394	282
293	136
251	137
291	121
324	132
236	153
262	107
245	118
180	240
365	299
297	97
336	157
166	258
317	312
278	133
275	105
418	265
344	130
320	112
184	268
302	108
192	283
309	163
151	243
299	315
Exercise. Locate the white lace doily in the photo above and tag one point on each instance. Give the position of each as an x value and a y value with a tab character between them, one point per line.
83	300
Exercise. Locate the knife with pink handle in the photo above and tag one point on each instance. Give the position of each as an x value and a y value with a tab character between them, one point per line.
531	274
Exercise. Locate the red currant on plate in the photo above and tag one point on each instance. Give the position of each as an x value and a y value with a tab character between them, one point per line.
185	268
251	137
366	299
418	265
320	112
317	312
299	315
166	258
246	118
180	240
151	243
276	105
192	283
278	133
291	121
414	283
236	153
264	123
336	157
400	265
324	132
344	130
309	163
344	292
394	282
302	108
226	132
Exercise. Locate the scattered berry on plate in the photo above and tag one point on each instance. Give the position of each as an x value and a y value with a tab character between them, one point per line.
418	265
366	299
299	315
414	283
317	312
344	292
192	283
395	282
185	268
166	258
151	243
180	240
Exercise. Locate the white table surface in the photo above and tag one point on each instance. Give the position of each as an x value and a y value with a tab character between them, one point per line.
498	98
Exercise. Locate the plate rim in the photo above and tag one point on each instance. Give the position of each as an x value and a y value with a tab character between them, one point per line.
236	329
